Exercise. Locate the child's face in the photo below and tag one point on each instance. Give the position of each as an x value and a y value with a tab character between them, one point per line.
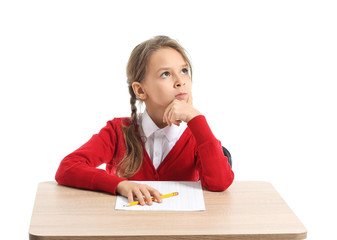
166	78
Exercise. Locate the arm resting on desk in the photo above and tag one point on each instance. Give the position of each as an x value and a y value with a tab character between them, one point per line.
214	169
79	169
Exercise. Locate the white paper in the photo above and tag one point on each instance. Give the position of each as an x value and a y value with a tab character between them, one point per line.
190	197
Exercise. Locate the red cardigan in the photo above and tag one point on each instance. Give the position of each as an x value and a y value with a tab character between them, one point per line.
196	155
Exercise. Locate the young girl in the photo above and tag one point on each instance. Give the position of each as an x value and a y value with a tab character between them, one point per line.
170	141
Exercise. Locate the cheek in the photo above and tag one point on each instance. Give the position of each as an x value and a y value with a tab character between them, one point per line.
160	95
189	85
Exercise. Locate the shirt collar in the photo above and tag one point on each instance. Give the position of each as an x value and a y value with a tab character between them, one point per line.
149	127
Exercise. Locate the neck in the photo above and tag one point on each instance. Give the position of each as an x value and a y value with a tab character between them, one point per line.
157	116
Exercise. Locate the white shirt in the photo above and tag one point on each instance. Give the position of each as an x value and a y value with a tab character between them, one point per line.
159	142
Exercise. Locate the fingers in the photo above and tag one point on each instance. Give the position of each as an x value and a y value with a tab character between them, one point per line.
142	192
130	197
171	114
172	117
139	195
166	115
156	194
147	196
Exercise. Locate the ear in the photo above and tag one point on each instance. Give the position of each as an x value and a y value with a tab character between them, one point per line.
139	90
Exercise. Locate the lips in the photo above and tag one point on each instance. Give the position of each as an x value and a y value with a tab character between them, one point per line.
181	95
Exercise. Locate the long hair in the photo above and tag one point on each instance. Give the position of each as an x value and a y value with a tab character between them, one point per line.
135	72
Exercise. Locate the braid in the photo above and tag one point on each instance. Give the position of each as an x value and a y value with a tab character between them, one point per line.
133	158
133	100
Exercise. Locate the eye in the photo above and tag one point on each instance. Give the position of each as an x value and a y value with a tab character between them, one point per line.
184	71
165	75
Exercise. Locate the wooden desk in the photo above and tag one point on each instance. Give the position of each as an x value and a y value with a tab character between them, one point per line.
247	210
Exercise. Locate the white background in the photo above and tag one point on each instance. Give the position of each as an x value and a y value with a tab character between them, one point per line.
264	76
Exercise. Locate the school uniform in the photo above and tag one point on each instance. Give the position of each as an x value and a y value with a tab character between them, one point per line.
178	153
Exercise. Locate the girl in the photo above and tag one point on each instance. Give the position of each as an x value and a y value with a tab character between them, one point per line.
170	141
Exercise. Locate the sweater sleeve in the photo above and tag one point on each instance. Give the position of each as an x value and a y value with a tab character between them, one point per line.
79	169
214	170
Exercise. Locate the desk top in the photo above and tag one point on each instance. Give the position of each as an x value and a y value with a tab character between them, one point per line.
246	210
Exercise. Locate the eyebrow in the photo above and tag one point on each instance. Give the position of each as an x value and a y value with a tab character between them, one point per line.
168	68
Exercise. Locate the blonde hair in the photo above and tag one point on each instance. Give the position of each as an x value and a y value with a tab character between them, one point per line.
135	71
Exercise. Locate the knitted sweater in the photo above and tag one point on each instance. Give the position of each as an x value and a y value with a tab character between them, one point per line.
196	155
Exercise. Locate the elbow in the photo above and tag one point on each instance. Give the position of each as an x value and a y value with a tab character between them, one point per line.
219	184
227	183
63	172
59	176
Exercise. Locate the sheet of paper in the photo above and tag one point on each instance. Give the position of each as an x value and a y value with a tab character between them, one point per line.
190	197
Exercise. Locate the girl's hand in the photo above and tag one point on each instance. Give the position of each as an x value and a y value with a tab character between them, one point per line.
179	110
131	190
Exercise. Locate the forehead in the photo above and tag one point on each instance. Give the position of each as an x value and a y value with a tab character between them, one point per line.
165	58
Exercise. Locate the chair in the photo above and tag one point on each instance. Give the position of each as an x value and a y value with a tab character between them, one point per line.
228	155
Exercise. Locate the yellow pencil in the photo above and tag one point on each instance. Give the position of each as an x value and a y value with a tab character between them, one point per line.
153	199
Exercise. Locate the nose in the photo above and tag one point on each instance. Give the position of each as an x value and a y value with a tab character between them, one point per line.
179	82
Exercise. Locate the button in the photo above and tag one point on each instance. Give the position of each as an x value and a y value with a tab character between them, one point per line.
157	154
